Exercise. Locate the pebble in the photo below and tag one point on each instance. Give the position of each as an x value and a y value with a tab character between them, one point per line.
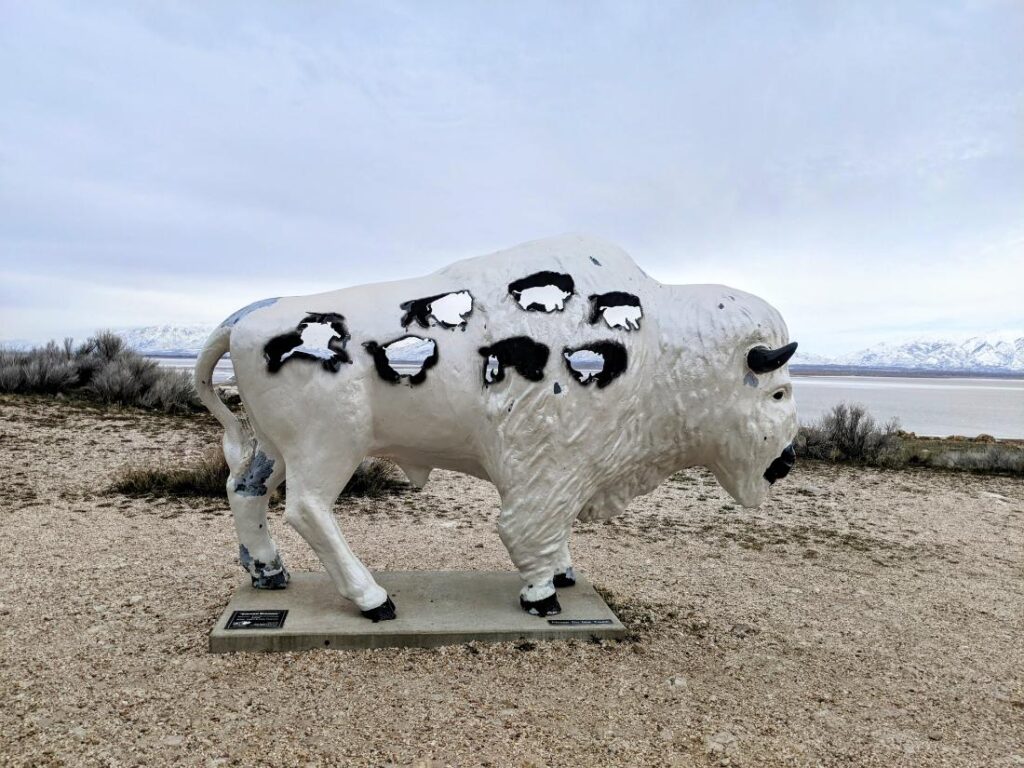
721	742
173	740
743	630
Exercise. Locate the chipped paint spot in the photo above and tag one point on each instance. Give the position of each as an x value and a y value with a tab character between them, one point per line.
558	388
617	308
600	361
526	356
598	263
406	357
233	319
320	337
448	310
543	291
750	380
254	481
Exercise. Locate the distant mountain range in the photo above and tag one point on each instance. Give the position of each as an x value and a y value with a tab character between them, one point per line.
167	340
975	355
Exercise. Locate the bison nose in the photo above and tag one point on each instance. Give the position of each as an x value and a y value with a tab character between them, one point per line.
779	468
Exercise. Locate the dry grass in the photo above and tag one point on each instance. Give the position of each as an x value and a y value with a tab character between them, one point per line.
208	476
205	476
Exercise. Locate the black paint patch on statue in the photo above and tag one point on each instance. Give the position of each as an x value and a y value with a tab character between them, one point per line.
320	337
618	309
600	361
527	356
407	357
565	579
543	291
448	310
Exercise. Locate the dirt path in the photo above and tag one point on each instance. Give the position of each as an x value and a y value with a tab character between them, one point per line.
858	618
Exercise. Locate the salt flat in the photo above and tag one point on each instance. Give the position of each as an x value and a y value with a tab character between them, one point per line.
860	617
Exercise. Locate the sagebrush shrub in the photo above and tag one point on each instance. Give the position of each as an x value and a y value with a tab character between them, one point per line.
850	433
103	369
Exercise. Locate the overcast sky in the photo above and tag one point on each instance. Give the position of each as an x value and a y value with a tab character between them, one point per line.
859	165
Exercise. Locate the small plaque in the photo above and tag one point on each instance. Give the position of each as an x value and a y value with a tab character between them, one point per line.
257	620
578	622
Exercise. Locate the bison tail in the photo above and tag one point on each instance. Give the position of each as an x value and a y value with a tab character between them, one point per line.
234	437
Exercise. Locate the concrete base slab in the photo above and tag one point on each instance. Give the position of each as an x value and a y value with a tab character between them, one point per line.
434	608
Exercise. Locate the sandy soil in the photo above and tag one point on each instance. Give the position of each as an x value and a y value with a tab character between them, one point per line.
858	618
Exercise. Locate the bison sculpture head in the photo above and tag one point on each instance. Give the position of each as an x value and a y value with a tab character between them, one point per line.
753	444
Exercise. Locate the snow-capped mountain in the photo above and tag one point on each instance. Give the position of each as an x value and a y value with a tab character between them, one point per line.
167	340
975	354
810	358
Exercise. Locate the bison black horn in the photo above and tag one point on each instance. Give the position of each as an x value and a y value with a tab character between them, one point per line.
764	360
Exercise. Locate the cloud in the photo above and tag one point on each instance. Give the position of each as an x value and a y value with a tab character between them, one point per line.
862	166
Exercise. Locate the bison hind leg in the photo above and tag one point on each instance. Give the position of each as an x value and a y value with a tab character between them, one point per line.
249	489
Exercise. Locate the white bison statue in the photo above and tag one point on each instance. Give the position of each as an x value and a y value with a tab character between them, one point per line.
557	370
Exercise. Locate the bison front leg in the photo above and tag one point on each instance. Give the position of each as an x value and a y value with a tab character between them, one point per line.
536	533
565	576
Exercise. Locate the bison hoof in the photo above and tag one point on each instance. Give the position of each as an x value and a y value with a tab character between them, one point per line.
272	575
277	580
565	579
383	612
547	607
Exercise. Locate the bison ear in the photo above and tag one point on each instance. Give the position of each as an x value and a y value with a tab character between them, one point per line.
765	360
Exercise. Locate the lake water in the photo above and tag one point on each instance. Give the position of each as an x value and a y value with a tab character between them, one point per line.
221	373
926	406
937	407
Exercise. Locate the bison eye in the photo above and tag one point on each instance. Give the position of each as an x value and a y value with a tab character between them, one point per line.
780	393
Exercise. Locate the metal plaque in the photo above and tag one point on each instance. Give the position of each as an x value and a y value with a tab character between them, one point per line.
256	620
578	622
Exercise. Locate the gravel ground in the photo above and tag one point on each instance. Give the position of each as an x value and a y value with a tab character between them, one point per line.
858	618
